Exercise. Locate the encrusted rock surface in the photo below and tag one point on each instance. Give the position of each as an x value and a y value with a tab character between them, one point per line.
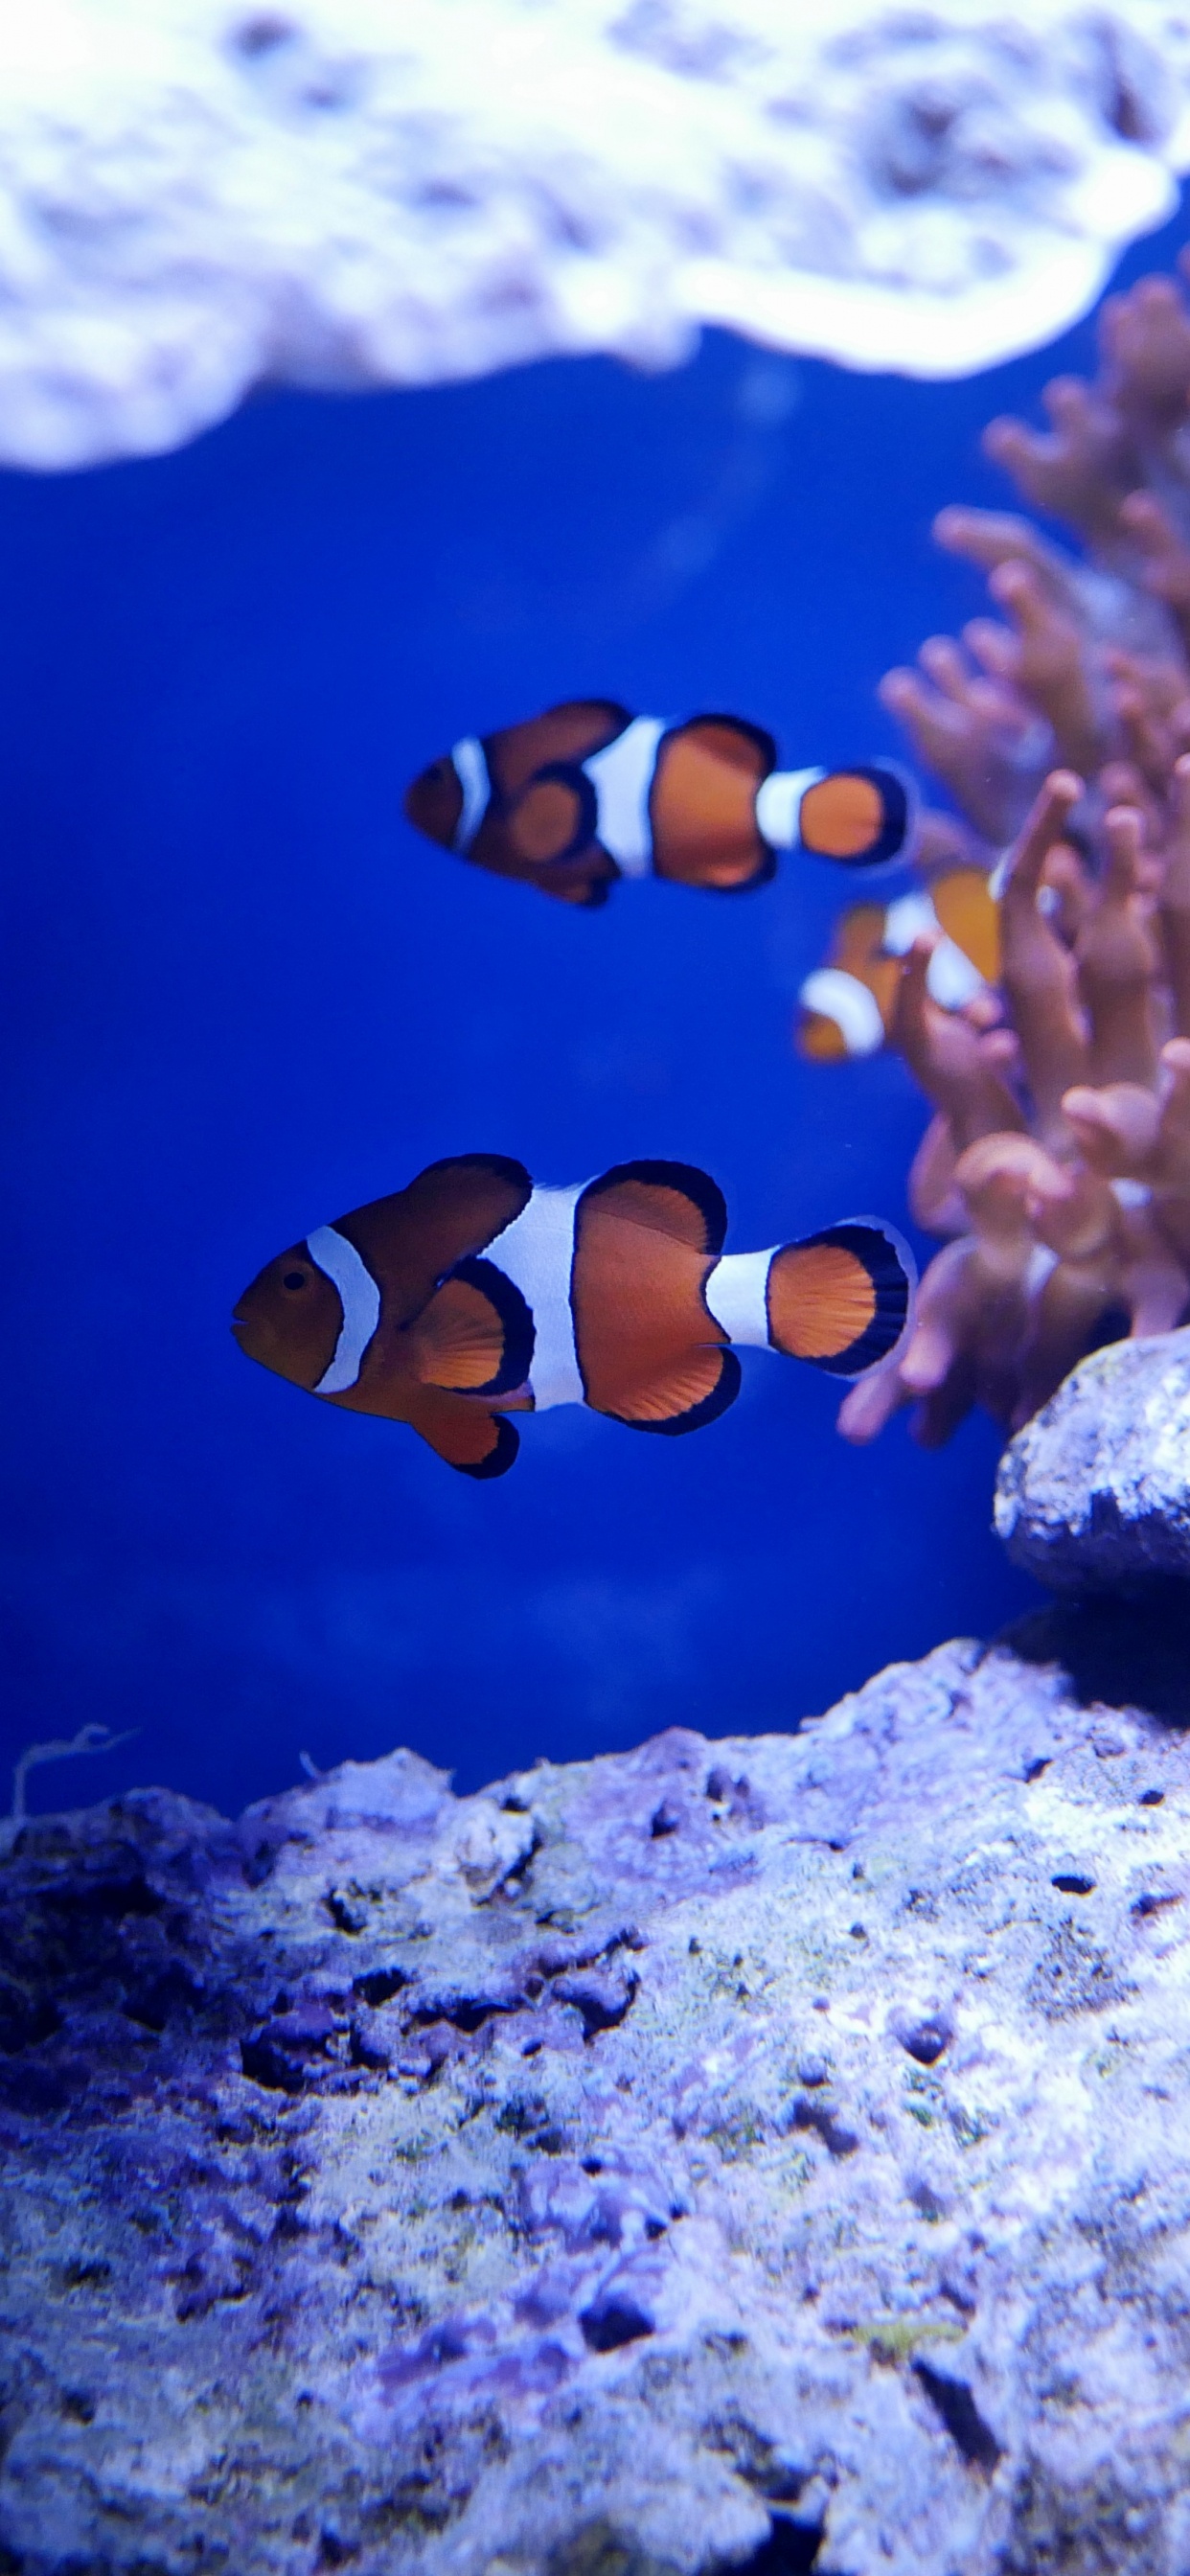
1094	1493
196	195
694	2157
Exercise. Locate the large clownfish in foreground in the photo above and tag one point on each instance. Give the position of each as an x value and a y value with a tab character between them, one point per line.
587	793
473	1295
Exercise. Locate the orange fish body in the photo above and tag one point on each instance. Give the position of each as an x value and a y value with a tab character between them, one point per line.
847	1004
587	793
474	1294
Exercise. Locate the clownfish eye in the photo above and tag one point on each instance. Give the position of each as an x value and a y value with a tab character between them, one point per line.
294	1279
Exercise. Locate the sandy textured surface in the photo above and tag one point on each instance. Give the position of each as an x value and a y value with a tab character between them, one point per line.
645	2163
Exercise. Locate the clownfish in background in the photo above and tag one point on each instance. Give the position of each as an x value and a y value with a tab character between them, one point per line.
846	1006
587	793
474	1294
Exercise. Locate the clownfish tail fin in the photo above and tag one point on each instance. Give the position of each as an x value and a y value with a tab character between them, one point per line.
843	1298
861	817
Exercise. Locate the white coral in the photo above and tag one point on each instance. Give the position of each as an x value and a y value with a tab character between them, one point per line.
195	195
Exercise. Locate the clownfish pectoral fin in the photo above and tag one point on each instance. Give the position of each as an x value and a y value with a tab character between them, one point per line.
467	1435
859	817
842	1298
476	1333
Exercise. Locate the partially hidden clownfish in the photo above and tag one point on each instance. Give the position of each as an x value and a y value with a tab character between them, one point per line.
846	1006
587	793
475	1294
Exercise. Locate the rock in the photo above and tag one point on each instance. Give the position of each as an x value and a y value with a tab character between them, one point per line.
1094	1493
700	2157
196	196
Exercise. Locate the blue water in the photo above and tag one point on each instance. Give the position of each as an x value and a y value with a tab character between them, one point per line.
242	996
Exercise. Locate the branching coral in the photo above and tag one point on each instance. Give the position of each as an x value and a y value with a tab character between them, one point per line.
1058	1158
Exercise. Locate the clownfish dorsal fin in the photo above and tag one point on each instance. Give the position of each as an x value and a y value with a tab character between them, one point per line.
451	1212
649	1351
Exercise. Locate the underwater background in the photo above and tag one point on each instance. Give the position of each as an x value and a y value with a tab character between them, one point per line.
242	996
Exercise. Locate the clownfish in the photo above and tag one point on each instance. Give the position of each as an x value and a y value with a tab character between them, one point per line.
475	1294
587	793
846	1006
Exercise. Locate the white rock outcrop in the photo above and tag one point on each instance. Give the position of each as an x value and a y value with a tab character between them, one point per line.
717	2156
1094	1494
198	195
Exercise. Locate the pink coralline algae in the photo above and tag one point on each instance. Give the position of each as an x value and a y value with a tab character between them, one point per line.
1058	1158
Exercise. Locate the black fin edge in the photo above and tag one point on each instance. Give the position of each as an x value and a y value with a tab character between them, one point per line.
687	1177
759	734
505	1165
499	1459
723	1393
891	1268
515	1316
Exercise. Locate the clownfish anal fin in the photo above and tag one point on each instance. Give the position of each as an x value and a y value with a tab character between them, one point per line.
476	1333
696	1393
841	1299
465	1434
675	1199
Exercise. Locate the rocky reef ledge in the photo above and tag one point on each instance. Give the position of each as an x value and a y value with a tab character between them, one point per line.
1094	1494
765	2153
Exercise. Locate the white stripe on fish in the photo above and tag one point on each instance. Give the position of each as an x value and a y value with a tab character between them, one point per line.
359	1298
737	1294
537	1253
779	805
622	776
471	770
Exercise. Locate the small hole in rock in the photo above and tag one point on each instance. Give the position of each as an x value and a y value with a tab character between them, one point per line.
263	34
1151	1798
927	2041
1033	1770
612	2322
791	2549
953	2401
1072	1882
380	1985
